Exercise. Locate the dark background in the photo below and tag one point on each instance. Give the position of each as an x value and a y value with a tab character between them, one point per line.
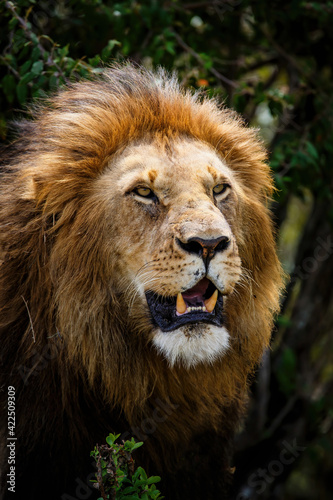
272	62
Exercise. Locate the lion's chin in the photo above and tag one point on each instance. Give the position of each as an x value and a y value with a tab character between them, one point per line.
192	344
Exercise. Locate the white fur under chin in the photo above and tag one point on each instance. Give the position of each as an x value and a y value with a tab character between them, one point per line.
204	344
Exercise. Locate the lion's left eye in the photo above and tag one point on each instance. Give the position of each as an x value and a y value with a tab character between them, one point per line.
221	190
143	191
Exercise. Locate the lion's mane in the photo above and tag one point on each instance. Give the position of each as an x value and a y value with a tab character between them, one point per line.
78	368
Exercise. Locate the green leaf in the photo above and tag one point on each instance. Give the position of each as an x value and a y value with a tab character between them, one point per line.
34	37
64	51
25	67
169	46
35	54
311	149
132	445
37	67
140	482
94	61
12	23
53	81
142	473
153	479
112	438
106	52
27	78
129	489
137	445
155	494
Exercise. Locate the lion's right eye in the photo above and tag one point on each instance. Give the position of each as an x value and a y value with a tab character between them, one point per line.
221	191
146	194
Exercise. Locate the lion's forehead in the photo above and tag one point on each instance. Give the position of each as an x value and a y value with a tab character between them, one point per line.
182	167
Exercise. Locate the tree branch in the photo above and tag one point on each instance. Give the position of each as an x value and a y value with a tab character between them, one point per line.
216	73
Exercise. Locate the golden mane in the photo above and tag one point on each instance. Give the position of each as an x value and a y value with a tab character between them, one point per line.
54	296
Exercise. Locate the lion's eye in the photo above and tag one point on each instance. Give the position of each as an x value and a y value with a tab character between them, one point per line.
221	190
146	194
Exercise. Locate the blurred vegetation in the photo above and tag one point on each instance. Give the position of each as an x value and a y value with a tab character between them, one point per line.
273	62
117	478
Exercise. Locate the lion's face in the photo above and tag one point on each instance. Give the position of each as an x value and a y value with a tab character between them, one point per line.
173	215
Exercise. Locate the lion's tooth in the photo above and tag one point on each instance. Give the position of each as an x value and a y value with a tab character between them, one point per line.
211	302
180	304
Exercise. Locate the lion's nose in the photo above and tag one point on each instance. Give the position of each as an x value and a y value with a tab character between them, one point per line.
205	248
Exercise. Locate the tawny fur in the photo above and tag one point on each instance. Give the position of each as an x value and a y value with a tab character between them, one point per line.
61	299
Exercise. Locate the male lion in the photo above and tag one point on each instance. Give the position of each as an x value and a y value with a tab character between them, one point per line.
138	283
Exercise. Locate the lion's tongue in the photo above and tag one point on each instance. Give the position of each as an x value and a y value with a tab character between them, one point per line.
194	299
196	293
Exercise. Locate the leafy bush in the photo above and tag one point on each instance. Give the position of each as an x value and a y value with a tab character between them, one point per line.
116	477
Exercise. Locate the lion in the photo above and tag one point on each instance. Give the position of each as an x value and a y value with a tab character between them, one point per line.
138	284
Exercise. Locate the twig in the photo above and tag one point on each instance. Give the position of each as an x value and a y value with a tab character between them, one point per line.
99	475
216	73
15	73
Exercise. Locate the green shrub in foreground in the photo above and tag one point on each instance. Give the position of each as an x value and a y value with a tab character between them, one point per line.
116	476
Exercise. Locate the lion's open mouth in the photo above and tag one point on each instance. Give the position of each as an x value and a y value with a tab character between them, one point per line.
201	303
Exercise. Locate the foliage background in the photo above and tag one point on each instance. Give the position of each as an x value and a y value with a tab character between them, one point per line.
271	61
